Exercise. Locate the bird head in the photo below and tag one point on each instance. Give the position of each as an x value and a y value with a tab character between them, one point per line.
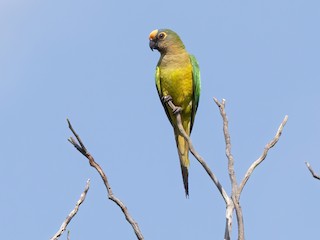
165	40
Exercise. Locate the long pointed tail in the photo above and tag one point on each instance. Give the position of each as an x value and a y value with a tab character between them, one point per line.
183	151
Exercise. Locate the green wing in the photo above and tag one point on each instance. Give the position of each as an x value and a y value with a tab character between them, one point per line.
159	89
196	88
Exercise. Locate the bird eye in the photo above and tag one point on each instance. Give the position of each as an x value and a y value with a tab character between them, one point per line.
162	35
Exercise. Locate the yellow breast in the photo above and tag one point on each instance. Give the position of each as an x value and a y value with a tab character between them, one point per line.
178	84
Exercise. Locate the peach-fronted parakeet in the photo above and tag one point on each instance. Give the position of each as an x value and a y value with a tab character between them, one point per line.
177	76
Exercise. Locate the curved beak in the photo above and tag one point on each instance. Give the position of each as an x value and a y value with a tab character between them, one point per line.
153	44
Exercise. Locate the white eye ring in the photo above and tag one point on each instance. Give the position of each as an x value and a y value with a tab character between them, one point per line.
162	35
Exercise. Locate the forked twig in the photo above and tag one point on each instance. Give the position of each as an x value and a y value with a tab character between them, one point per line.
316	176
227	199
72	213
232	203
82	149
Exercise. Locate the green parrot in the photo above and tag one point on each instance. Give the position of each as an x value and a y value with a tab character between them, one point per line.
177	79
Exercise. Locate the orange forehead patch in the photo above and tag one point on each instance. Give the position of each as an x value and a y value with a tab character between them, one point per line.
153	34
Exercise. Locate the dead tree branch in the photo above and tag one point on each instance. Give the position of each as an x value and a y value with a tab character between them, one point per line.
234	185
197	155
227	199
72	213
233	202
228	144
82	149
312	172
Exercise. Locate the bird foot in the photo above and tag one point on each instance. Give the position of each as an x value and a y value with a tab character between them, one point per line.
176	110
166	99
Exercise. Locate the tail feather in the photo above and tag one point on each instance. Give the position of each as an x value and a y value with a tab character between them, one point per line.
183	151
185	174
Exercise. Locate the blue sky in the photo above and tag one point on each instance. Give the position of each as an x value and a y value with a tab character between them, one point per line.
90	62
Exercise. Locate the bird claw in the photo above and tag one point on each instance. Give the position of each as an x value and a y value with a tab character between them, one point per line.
176	110
166	99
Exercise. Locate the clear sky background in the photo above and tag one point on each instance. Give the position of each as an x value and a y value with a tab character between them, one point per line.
90	61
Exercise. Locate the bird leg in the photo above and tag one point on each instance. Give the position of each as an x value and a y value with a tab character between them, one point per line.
168	99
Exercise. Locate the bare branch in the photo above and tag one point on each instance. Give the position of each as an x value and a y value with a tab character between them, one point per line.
229	217
82	149
232	203
235	195
72	213
227	138
196	154
312	172
227	199
264	154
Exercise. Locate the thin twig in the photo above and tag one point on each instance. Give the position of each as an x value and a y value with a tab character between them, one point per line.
264	154
72	213
312	172
82	149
